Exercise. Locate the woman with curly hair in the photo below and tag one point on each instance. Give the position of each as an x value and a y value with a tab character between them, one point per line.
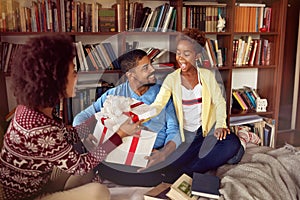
37	145
200	109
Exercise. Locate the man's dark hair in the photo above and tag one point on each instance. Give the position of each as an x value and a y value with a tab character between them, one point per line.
130	59
40	70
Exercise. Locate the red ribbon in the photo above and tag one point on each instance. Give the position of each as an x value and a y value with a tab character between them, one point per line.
135	140
103	131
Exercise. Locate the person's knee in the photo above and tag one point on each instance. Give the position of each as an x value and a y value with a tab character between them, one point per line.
98	191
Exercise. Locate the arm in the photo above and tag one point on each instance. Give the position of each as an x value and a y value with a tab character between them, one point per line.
158	156
172	126
68	159
171	136
163	96
218	100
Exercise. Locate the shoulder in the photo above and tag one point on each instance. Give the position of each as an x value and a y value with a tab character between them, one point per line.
205	71
172	77
29	118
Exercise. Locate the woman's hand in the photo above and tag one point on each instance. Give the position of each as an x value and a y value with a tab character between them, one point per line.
221	133
129	129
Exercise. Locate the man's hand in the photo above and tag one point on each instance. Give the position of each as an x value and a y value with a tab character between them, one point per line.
128	128
159	156
156	157
221	133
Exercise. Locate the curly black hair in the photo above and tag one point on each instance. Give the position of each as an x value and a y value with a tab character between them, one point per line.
130	59
192	35
40	70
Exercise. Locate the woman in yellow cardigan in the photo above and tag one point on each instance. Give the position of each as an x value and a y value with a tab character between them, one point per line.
200	109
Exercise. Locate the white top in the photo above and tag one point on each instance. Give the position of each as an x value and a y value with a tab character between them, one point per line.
192	107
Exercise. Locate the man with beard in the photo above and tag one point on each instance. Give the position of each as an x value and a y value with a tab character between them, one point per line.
140	85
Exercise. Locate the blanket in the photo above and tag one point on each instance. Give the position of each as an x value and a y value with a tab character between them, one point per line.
263	173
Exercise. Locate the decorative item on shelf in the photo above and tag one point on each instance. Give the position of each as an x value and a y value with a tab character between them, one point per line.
263	29
221	24
261	105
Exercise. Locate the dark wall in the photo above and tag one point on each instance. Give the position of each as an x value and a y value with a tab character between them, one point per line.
289	62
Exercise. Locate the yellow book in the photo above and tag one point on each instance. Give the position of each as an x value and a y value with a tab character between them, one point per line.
239	100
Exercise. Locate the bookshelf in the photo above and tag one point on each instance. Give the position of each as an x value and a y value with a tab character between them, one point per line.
266	78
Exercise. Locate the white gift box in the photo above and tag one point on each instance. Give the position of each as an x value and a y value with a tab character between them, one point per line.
133	149
115	111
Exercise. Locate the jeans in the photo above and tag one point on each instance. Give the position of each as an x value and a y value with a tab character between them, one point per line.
189	161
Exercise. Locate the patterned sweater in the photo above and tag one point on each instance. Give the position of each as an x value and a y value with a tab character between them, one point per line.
34	144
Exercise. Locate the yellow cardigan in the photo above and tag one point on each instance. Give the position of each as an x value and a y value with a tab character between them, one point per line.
213	103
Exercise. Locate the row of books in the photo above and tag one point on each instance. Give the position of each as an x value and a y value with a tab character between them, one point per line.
244	98
251	17
248	51
214	55
80	16
86	94
204	18
41	15
263	127
83	16
100	56
187	188
51	15
161	18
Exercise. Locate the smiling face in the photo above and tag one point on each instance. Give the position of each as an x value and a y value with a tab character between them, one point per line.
143	74
186	55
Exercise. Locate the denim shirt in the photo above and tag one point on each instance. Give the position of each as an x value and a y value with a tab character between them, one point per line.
165	124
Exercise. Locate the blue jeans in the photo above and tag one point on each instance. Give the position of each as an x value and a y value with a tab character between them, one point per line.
189	161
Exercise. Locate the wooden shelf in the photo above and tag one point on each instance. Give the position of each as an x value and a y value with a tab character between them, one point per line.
268	77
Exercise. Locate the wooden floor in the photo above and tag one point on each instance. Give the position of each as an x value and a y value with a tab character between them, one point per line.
291	137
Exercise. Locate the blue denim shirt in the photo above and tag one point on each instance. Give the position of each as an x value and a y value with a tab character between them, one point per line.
165	124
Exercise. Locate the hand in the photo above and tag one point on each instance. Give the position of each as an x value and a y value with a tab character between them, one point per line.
129	129
90	142
220	133
156	157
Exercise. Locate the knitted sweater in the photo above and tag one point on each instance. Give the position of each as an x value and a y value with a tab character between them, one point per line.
34	144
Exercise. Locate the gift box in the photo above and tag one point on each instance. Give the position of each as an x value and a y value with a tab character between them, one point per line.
117	109
133	149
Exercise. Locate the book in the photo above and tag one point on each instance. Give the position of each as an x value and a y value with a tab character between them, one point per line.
206	185
250	4
107	21
158	192
239	99
248	119
181	189
112	55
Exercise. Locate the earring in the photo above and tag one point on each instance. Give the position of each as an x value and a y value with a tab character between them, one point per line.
198	63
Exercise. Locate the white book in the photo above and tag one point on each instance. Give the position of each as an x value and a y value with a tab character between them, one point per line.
250	4
80	58
240	120
181	189
86	67
148	21
167	19
209	54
